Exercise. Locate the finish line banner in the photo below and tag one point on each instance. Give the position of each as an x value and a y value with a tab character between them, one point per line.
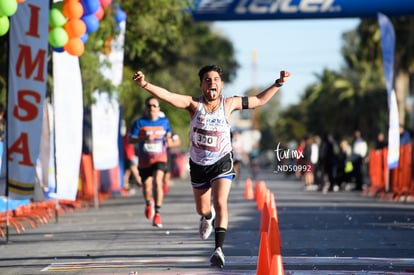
216	10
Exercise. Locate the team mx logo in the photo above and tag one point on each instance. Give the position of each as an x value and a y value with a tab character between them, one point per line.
290	160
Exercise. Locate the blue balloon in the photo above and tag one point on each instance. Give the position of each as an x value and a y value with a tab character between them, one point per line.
90	6
91	22
84	37
120	15
58	50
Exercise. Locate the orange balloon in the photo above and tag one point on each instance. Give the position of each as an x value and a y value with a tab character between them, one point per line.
75	28
20	1
74	47
72	9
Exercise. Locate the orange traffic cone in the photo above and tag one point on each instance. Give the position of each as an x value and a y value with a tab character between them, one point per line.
248	190
264	222
263	261
272	205
276	263
262	196
257	186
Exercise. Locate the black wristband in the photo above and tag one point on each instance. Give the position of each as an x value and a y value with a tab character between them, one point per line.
277	83
245	102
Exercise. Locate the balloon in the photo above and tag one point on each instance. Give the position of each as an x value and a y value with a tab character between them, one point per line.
8	7
90	6
84	37
4	25
75	27
120	15
75	47
20	1
91	22
99	14
56	18
58	37
59	50
105	3
73	9
58	5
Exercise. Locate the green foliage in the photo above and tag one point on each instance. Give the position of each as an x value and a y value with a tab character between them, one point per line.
153	37
291	124
337	101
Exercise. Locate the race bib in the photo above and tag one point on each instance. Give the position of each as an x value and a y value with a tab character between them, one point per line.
207	140
153	147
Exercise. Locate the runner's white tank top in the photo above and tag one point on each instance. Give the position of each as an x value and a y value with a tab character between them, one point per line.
209	135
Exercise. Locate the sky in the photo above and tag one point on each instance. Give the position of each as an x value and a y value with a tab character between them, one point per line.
302	47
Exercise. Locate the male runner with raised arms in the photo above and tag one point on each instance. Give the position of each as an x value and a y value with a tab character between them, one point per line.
211	163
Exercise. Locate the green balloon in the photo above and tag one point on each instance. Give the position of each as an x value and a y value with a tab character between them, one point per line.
4	25
8	7
58	37
56	18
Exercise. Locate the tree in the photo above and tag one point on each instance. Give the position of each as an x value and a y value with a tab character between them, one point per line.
368	49
291	124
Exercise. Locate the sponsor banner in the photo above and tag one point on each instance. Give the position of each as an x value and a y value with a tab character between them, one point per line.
213	10
393	132
115	58
105	121
43	160
51	173
28	53
106	113
68	117
388	51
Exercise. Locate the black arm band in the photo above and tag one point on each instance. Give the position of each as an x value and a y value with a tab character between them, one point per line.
245	102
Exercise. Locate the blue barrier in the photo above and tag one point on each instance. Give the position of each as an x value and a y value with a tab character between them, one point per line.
13	204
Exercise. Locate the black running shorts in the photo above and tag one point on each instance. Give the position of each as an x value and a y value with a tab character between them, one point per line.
145	173
203	175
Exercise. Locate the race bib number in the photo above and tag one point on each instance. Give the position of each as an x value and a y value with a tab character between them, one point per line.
153	147
207	140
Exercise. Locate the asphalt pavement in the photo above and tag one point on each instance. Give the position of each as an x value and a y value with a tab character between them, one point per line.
334	233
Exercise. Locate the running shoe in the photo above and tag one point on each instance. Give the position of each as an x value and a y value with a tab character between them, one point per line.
217	258
165	188
149	210
157	220
206	226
